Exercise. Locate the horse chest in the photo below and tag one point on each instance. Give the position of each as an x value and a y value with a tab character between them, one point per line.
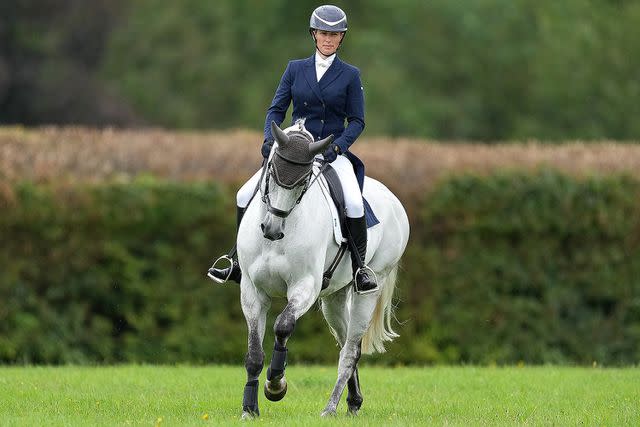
273	269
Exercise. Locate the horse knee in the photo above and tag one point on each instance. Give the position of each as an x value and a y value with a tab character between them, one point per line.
285	323
253	362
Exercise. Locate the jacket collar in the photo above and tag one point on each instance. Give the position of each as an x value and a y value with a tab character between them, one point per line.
334	70
329	76
310	75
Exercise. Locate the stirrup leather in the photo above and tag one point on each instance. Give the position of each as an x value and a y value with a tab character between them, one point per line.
222	258
355	281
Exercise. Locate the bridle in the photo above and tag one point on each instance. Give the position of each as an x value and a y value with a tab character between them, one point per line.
306	181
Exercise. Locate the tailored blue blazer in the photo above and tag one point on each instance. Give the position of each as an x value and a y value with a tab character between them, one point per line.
325	105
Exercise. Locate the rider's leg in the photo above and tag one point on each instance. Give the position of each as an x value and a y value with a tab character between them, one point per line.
356	224
233	271
357	235
242	198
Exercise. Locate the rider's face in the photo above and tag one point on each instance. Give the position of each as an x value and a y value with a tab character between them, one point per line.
327	42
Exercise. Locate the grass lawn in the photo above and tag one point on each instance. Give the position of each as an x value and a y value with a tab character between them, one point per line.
201	396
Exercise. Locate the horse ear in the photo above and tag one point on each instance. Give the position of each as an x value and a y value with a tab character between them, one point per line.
320	146
278	134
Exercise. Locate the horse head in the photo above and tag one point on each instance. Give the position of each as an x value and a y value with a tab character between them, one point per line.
290	167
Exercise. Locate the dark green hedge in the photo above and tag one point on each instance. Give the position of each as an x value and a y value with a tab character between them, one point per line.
539	268
114	273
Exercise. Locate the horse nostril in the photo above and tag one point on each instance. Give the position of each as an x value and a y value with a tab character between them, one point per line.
271	236
271	232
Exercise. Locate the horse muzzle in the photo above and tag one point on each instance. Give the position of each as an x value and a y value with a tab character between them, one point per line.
272	230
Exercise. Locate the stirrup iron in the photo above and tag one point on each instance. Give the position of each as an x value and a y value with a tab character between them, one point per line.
222	258
355	281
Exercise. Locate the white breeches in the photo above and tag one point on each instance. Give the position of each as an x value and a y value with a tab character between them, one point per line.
350	188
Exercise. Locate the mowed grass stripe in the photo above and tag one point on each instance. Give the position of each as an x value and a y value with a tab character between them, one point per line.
184	395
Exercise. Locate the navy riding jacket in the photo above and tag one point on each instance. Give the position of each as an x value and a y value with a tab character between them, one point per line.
325	104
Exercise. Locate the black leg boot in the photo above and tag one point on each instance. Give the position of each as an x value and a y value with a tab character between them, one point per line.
364	279
233	271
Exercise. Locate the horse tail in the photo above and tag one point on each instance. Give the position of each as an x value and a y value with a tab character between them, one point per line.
380	329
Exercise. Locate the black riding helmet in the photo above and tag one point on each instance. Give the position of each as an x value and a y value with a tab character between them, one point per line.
328	18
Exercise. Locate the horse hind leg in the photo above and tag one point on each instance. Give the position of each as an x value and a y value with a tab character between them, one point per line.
354	395
334	309
360	316
378	331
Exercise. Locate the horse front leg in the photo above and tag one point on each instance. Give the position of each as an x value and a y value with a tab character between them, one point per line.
255	305
359	319
301	296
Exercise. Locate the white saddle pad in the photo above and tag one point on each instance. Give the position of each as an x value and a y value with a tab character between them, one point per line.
337	230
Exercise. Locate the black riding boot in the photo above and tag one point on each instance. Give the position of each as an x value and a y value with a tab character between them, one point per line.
233	272
364	278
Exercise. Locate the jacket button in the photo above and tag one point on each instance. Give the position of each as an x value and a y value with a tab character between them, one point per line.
305	103
321	121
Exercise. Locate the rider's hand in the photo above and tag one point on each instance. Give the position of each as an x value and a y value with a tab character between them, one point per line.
331	153
266	148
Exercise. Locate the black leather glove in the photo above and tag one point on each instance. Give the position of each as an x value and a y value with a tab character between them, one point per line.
331	153
266	148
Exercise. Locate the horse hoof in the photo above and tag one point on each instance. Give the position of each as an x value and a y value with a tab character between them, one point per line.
353	411
328	413
248	415
276	389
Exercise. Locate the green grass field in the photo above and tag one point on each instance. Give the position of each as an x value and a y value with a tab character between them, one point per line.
200	396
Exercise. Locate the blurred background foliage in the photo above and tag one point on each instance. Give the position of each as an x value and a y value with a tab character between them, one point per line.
479	69
538	268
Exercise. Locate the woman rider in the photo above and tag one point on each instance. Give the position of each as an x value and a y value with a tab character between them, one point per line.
325	92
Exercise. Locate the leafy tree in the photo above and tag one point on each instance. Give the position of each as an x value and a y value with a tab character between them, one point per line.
49	53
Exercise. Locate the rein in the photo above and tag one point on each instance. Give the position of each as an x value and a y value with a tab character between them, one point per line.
255	191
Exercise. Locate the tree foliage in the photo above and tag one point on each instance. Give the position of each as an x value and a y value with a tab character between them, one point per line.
480	69
50	53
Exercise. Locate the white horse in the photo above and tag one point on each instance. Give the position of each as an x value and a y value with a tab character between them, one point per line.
279	262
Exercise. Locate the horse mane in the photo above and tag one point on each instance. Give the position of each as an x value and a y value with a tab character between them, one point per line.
299	130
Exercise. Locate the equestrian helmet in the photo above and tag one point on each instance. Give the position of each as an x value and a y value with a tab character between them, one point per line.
328	18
